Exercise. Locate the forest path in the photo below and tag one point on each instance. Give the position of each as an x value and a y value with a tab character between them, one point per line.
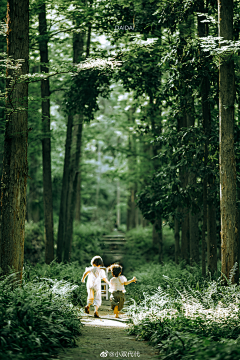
107	338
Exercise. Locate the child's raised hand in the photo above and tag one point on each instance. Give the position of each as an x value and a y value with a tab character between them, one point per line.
134	279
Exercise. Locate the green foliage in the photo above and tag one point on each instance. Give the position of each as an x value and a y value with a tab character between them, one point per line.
34	243
185	316
85	89
139	248
71	273
86	242
37	317
180	150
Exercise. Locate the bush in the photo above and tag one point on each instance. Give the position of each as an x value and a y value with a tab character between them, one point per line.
86	243
70	272
139	248
185	316
34	243
37	317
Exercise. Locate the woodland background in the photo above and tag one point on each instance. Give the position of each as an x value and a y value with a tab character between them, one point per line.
122	115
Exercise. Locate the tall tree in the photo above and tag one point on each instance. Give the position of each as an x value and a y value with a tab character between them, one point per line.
15	167
156	131
229	231
71	170
206	119
46	141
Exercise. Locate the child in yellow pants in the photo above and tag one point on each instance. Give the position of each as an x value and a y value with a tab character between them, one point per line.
117	288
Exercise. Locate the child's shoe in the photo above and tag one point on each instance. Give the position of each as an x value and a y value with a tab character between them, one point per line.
116	311
96	315
87	309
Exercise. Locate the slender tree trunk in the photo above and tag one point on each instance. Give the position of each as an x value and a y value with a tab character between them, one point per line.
63	203
209	211
157	238
176	237
156	131
33	195
98	179
229	223
211	239
78	46
185	236
73	174
46	141
78	198
118	204
15	167
183	175
131	208
204	225
193	217
72	193
70	173
193	238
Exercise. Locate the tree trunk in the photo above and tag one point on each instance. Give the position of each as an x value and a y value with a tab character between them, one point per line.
46	141
71	193
157	238
185	236
229	231
156	131
78	43
209	211
211	239
118	204
204	225
183	175
70	174
63	203
193	238
176	237
78	198
33	194
15	167
193	217
131	206
98	180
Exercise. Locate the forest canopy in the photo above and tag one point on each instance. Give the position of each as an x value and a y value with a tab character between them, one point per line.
122	115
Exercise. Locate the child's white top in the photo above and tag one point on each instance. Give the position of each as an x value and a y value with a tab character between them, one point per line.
94	277
117	283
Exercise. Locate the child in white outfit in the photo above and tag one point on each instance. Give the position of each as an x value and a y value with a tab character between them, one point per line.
95	274
117	288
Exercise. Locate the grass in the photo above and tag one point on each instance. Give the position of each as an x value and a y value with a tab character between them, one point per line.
185	316
39	317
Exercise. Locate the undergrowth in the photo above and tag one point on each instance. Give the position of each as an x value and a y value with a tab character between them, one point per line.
39	317
185	316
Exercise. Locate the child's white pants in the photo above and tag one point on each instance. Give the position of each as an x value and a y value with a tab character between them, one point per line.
94	296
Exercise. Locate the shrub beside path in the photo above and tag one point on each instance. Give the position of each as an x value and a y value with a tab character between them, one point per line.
107	338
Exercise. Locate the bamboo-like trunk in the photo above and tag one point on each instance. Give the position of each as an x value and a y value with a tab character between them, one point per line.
46	141
71	175
176	237
229	223
64	192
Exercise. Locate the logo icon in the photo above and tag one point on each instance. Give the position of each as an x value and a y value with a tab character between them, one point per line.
104	354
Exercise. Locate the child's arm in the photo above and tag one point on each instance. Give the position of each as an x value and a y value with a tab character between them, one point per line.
130	281
106	281
84	275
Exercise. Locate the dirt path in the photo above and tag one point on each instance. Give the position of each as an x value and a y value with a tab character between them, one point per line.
107	338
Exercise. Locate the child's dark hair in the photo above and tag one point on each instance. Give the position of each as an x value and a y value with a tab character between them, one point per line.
116	270
97	260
